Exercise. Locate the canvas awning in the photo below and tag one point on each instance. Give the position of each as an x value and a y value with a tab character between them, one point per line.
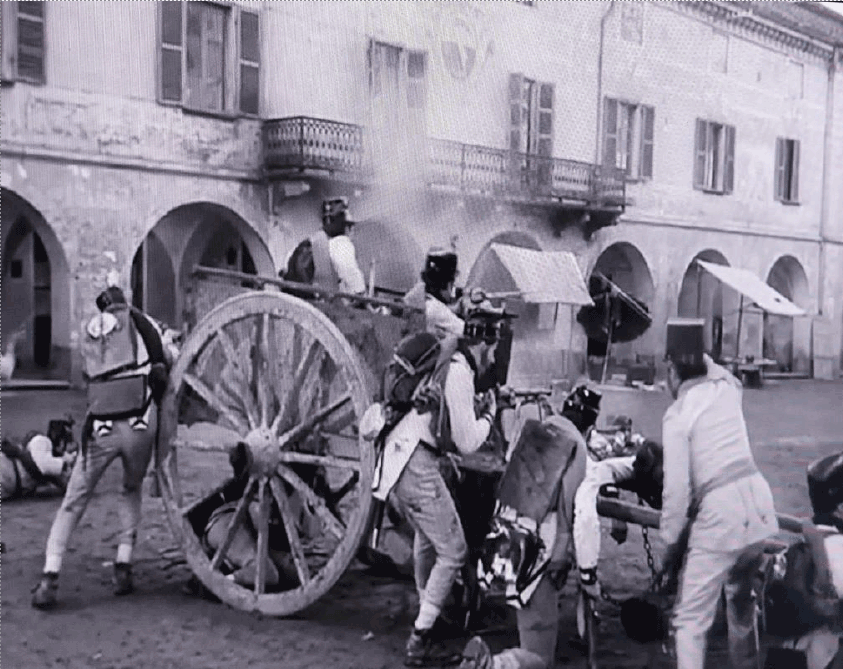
536	276
764	296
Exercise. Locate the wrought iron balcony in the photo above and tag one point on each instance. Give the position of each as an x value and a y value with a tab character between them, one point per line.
302	143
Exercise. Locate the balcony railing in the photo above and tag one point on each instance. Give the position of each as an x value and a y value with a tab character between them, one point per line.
304	142
308	143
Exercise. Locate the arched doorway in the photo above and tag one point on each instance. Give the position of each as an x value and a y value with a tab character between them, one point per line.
201	233
787	339
36	293
701	296
624	265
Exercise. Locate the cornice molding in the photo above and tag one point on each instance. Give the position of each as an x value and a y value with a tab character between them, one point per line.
742	23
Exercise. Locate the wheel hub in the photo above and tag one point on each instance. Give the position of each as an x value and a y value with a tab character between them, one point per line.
263	446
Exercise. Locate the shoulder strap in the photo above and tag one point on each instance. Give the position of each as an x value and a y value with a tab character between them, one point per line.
823	585
150	336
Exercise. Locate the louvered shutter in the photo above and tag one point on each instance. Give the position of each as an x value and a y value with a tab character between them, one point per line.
516	105
700	152
729	160
31	41
610	133
779	172
647	132
171	36
249	62
794	174
544	136
9	44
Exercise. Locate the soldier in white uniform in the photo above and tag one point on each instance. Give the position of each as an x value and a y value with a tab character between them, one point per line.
334	256
715	496
436	293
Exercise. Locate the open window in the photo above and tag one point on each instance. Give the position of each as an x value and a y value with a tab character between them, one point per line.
628	130
209	57
714	157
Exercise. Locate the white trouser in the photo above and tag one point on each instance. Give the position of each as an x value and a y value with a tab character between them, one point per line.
586	520
704	577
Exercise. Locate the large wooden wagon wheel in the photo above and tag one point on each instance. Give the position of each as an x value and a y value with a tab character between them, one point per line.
268	377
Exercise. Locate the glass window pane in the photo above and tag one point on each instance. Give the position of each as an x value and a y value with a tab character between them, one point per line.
249	89
415	65
171	22
171	74
249	37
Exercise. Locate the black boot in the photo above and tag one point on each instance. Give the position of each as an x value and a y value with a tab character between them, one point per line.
122	578
44	593
423	650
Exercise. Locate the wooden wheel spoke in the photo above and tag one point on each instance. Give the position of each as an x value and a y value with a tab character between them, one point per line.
320	508
338	424
292	532
307	426
261	369
289	457
262	552
234	525
273	359
236	396
286	414
233	362
199	445
213	401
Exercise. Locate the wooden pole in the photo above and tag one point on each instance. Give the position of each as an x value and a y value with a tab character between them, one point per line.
570	344
608	340
649	517
740	321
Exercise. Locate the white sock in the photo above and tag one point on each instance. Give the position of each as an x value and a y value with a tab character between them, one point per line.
124	553
428	613
52	564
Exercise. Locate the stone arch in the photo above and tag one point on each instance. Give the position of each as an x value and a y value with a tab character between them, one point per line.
786	339
701	296
191	234
625	265
37	296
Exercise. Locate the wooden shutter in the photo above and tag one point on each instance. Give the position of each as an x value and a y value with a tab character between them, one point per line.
416	79
9	43
250	49
794	173
30	36
171	52
700	153
729	159
610	133
516	105
779	171
647	132
544	136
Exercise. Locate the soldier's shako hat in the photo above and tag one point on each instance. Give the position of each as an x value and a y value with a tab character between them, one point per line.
440	268
486	323
109	297
584	400
336	216
685	341
825	483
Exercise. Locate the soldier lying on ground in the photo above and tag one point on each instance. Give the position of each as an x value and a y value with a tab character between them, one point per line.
38	460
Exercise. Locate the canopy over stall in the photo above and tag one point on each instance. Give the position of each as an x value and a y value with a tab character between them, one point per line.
535	277
760	294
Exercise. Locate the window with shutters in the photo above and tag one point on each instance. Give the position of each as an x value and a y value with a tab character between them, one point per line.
714	157
531	128
628	130
397	88
209	57
787	170
23	41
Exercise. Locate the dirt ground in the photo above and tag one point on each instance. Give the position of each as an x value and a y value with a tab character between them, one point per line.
364	621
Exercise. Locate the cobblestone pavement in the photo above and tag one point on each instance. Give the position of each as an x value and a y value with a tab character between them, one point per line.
791	423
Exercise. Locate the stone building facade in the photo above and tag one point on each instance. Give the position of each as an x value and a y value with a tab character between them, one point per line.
150	137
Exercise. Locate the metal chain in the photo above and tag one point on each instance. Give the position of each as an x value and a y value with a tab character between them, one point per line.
656	577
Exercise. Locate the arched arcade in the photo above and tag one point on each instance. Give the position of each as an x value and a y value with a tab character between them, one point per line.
37	297
787	340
